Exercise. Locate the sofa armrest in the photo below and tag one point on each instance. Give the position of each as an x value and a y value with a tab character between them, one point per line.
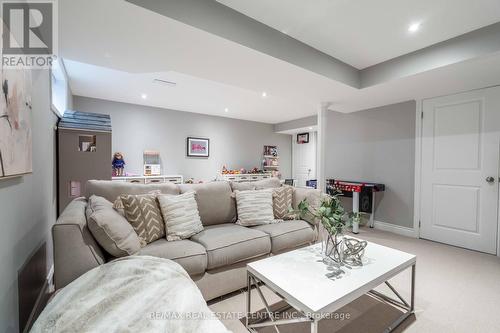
75	249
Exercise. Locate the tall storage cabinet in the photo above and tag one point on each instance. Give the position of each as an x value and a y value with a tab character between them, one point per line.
84	153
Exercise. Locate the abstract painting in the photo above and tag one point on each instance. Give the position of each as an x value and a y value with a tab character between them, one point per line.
15	123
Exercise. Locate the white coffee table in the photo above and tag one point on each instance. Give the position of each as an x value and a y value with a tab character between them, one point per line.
299	278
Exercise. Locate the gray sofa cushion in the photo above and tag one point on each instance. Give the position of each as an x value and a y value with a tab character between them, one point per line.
112	190
312	196
267	183
111	230
287	235
229	243
242	186
215	203
190	255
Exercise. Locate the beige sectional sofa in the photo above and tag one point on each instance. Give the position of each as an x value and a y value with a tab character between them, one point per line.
215	258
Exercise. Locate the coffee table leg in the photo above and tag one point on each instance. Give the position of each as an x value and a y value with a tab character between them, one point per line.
314	326
249	296
412	300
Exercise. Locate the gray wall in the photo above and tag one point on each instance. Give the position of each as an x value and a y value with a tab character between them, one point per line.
297	123
28	205
236	143
376	145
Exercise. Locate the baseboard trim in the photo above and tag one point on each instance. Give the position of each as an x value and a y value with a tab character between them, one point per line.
395	229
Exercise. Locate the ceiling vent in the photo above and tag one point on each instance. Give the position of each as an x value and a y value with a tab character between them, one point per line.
165	82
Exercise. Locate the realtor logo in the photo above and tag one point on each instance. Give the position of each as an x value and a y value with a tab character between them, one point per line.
28	34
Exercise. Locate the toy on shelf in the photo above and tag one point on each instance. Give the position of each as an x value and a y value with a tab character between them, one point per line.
192	181
118	164
270	161
255	171
242	171
152	165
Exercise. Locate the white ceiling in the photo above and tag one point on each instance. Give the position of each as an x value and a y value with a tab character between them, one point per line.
191	94
363	33
125	47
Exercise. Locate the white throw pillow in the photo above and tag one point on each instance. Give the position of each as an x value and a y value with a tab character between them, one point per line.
181	216
254	207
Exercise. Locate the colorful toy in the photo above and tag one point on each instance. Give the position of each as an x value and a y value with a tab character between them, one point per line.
118	164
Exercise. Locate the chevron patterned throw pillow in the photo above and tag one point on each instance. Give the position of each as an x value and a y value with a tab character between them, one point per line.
282	203
143	213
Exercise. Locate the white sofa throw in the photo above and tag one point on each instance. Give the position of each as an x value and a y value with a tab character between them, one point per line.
130	294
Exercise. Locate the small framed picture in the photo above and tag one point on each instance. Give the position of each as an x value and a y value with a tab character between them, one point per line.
198	147
302	138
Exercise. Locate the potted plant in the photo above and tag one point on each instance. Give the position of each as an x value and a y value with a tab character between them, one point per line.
333	222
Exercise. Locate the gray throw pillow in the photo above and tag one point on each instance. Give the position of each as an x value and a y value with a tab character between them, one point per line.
254	207
181	216
111	230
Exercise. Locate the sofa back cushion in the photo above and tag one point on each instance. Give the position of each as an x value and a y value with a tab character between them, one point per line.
267	183
112	190
312	196
257	185
215	202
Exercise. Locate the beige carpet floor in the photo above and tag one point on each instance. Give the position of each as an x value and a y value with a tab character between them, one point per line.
457	290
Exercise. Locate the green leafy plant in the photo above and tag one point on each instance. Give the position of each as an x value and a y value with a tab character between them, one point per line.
330	213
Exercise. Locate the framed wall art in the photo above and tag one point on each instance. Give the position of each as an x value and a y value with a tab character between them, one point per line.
302	138
198	147
16	140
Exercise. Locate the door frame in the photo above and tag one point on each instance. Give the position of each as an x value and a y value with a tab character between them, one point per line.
417	205
294	137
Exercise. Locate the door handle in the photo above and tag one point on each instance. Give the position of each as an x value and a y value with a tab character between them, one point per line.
490	180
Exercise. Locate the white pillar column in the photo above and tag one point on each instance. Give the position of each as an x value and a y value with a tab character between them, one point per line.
321	146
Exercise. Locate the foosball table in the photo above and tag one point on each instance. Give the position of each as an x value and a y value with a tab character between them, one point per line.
362	194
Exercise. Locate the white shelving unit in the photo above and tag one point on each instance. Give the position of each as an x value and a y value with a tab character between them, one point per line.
174	179
270	159
251	177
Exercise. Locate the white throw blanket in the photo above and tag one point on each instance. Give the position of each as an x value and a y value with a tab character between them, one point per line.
131	294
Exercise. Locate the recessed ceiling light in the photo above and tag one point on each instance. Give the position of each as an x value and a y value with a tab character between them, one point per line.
264	94
414	27
226	110
144	96
310	128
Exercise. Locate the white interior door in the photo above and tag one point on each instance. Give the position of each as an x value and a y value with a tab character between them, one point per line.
304	160
460	169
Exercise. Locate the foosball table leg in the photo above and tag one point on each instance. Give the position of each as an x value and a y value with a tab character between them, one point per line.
355	209
372	215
